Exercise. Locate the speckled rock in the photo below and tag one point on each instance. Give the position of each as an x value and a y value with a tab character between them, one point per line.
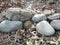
38	17
18	14
54	16
56	24
8	26
27	24
44	28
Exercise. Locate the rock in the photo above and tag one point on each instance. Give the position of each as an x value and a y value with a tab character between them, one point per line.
38	17
47	12
56	24
44	28
54	16
27	24
8	26
18	14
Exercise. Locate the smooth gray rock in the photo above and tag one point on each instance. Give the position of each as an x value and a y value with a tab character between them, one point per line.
38	17
47	12
8	26
44	28
54	16
56	24
18	14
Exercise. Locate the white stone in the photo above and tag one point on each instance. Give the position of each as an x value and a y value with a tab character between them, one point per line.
44	28
56	24
7	26
38	17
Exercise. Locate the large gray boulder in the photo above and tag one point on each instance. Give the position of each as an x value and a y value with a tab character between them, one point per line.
18	14
45	28
56	24
8	26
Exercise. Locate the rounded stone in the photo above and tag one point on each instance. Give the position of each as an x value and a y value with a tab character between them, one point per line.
8	26
47	12
54	16
45	28
27	24
55	24
38	17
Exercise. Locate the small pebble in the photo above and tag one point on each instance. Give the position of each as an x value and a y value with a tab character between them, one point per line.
27	24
